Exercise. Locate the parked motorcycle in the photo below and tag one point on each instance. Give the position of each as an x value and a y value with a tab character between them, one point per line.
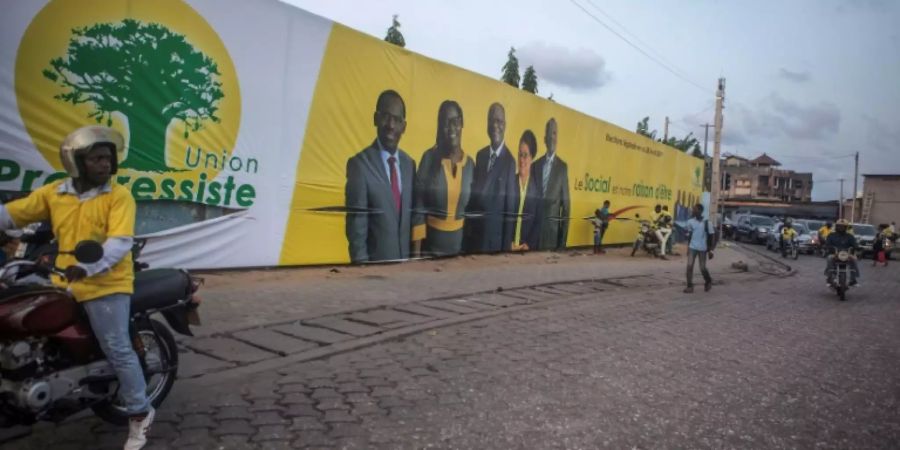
646	238
34	240
51	365
840	277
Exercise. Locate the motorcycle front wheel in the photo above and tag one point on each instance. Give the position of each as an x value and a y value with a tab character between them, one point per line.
842	287
161	363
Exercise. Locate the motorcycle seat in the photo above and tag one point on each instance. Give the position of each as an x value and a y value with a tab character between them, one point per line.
157	288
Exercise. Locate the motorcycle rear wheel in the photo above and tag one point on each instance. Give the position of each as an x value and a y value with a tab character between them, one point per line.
156	338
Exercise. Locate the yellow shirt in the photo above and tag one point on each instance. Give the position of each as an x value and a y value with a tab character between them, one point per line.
824	232
788	232
109	214
523	190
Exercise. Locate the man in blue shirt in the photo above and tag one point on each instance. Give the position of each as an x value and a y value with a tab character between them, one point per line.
700	243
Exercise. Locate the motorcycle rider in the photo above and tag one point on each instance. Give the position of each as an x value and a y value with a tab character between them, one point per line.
788	233
823	233
663	223
841	239
88	205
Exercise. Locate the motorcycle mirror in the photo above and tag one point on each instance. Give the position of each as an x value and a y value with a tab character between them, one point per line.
88	252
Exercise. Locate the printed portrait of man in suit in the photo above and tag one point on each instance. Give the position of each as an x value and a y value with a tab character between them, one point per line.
378	193
491	221
554	175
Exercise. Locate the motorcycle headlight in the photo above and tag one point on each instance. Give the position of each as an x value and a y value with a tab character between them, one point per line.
843	255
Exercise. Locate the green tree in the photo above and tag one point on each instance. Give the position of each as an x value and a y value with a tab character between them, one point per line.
146	72
511	69
643	128
686	144
393	34
529	80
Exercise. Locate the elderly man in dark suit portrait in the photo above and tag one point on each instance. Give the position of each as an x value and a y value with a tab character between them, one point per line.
490	222
378	193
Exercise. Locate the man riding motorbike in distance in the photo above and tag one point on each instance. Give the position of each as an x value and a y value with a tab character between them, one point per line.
841	239
90	156
823	233
788	233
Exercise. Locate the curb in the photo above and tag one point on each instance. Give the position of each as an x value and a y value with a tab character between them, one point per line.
193	386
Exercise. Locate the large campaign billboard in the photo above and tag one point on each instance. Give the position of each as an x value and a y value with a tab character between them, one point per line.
258	134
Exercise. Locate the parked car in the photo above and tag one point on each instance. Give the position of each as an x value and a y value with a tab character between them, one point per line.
865	237
804	239
754	229
813	225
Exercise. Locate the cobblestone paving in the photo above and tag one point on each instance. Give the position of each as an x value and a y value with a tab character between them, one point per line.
772	364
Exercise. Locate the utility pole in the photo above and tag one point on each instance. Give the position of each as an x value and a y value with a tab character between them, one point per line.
841	201
855	180
706	162
666	131
717	147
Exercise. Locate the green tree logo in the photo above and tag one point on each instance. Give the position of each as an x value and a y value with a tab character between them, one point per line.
144	71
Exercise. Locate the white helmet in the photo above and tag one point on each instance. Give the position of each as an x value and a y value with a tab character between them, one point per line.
77	144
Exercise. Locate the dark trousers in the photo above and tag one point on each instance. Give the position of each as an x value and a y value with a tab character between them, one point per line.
598	237
692	255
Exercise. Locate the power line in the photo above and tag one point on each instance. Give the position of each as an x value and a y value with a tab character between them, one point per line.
652	58
633	36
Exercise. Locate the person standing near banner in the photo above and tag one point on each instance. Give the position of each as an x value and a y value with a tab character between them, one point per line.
554	175
600	221
490	223
443	188
379	189
662	222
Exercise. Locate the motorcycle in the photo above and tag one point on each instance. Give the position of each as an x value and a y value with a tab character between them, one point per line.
790	248
51	365
840	276
646	239
34	240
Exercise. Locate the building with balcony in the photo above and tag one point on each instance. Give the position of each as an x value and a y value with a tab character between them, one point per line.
763	179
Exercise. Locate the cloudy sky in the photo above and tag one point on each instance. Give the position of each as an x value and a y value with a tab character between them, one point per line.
808	81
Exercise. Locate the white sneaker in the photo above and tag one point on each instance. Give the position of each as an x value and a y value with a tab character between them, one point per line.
137	431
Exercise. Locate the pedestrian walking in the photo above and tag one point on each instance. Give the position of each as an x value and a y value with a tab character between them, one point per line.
881	245
701	242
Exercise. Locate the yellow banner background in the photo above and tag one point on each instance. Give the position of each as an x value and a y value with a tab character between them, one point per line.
357	67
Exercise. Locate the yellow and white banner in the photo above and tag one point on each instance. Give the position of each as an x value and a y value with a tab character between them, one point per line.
259	134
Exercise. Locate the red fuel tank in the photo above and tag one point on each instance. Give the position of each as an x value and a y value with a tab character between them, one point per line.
35	311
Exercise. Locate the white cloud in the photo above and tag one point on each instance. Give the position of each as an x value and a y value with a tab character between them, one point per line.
579	70
778	116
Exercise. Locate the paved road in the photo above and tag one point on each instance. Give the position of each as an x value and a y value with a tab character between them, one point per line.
773	363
